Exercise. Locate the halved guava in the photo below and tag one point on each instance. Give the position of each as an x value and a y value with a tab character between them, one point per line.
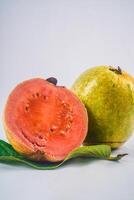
44	121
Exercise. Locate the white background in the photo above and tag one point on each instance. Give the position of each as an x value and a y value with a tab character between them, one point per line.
62	38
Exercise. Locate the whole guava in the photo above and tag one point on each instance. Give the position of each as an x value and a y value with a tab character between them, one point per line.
108	94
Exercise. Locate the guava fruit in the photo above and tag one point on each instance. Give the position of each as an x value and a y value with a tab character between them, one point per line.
108	94
44	121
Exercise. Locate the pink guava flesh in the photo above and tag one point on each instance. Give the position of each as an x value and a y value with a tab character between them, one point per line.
44	121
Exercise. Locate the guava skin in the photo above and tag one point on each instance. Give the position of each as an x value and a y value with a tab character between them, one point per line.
108	95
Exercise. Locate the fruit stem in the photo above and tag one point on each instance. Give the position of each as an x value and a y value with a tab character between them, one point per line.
52	80
118	70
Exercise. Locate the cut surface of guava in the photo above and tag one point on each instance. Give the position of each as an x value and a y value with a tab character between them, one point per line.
44	121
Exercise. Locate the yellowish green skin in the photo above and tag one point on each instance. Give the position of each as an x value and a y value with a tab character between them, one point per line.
109	98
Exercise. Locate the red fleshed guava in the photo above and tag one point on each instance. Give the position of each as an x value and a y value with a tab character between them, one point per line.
44	121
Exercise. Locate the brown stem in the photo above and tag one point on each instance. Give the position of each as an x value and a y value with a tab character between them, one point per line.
118	70
52	80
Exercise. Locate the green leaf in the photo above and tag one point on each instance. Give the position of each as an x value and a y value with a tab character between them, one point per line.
9	155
